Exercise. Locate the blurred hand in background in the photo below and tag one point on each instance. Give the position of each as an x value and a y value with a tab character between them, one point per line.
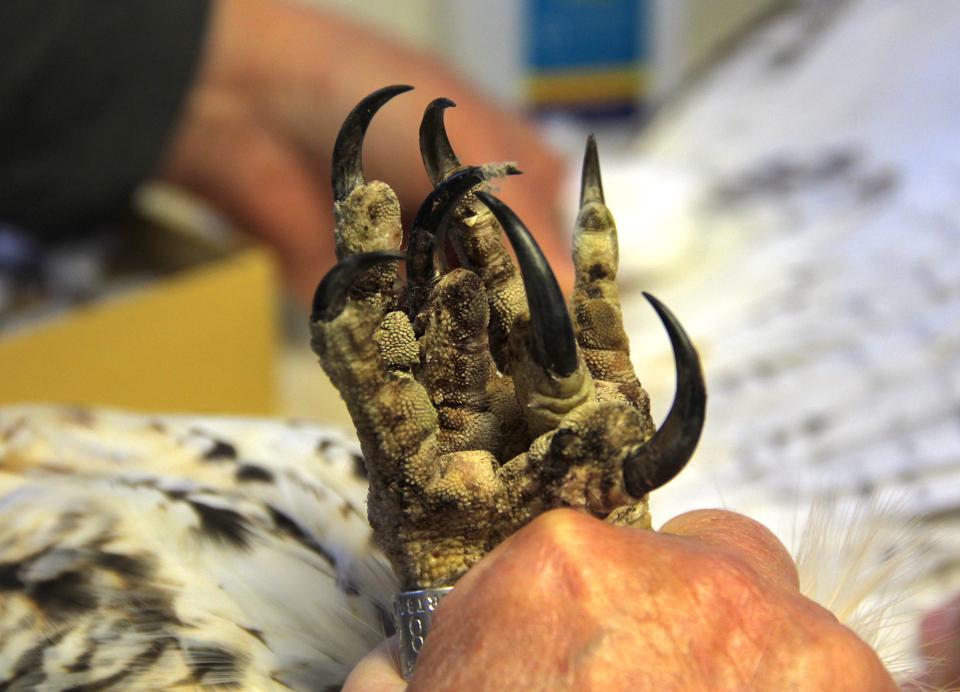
276	81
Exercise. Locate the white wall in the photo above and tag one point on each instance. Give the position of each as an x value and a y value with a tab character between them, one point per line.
481	37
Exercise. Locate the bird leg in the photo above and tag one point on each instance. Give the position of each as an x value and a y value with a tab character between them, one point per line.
479	399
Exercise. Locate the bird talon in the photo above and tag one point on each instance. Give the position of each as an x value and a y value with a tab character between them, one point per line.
479	398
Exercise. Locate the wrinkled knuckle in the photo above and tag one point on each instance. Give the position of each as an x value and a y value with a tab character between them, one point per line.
559	529
730	576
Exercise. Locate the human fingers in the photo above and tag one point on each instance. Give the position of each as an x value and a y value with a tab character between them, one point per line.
307	104
257	132
745	538
940	647
223	155
614	608
377	671
228	151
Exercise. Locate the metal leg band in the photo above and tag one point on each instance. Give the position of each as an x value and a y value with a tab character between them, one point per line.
414	611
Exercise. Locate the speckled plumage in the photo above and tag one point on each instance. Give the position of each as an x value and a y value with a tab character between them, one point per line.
176	553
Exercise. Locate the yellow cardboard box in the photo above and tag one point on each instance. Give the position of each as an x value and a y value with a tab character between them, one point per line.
203	337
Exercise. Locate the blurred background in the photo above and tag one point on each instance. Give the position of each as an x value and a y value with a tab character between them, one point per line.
785	175
124	302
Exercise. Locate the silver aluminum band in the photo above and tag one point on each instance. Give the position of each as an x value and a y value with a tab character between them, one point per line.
414	611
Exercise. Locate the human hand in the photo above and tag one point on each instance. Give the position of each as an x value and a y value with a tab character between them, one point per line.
710	602
940	648
257	133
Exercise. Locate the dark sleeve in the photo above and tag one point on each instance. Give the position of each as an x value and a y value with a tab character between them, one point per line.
90	92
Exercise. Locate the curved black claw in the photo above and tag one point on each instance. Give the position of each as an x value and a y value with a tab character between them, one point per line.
591	187
331	295
554	347
665	454
441	200
430	219
435	150
347	164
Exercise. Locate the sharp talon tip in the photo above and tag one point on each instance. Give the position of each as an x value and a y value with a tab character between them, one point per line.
665	454
347	171
591	185
438	156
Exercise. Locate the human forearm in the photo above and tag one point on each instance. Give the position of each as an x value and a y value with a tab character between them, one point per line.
277	81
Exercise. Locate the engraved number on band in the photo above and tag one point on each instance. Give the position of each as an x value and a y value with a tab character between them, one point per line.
414	611
415	629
